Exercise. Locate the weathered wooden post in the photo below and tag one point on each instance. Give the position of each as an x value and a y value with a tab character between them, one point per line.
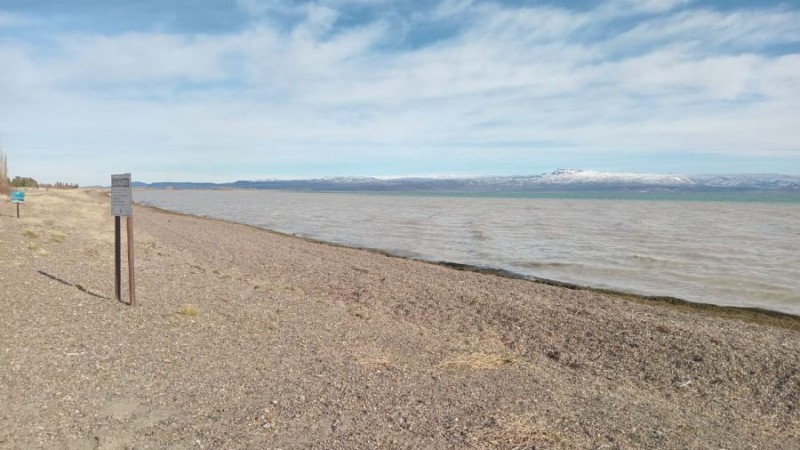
117	261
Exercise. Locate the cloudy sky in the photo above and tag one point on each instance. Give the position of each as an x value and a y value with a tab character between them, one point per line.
221	90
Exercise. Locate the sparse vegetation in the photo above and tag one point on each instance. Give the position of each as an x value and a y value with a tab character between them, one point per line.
520	432
480	361
188	310
57	237
59	185
34	247
30	234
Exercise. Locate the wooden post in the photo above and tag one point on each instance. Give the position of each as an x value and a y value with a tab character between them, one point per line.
131	277
17	210
117	260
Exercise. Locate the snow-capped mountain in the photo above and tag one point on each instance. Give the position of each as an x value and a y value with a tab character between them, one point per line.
561	179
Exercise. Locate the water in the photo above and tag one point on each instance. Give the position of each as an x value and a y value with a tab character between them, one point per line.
726	249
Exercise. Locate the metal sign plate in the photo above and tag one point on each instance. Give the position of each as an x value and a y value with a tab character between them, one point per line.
121	196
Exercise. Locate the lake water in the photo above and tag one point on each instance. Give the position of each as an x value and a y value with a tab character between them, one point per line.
726	249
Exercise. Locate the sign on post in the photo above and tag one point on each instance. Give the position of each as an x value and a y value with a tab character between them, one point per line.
121	200
121	195
17	197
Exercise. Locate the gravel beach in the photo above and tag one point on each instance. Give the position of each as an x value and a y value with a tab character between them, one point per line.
248	339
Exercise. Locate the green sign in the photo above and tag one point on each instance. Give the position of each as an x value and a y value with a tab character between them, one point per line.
18	197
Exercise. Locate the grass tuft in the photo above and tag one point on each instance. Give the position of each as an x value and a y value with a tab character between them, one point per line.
36	250
30	234
480	361
57	237
188	310
519	432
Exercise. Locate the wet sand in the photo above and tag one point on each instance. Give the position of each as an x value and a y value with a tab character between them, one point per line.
245	338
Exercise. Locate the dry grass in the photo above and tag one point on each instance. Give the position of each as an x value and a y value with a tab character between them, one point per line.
481	361
188	310
56	236
374	355
145	245
514	432
75	210
484	352
30	234
32	246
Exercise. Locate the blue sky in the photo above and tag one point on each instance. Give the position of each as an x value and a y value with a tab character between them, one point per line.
221	90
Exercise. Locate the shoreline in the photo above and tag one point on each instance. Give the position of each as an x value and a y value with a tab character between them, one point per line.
744	313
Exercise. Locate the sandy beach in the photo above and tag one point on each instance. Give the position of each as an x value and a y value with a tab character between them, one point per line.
248	339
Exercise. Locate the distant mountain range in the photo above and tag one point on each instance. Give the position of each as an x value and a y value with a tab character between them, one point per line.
560	180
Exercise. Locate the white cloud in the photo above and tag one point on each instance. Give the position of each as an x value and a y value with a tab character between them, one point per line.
449	8
708	29
530	25
139	58
319	20
630	7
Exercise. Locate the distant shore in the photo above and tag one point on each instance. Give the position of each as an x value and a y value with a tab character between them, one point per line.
247	338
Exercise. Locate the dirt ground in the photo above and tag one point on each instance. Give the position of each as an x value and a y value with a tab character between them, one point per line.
248	339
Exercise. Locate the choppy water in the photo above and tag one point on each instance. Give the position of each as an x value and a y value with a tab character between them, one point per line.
744	253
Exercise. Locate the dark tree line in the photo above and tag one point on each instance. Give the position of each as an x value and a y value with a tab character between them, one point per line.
24	182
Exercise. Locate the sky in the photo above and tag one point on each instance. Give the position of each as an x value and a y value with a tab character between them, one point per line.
222	90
